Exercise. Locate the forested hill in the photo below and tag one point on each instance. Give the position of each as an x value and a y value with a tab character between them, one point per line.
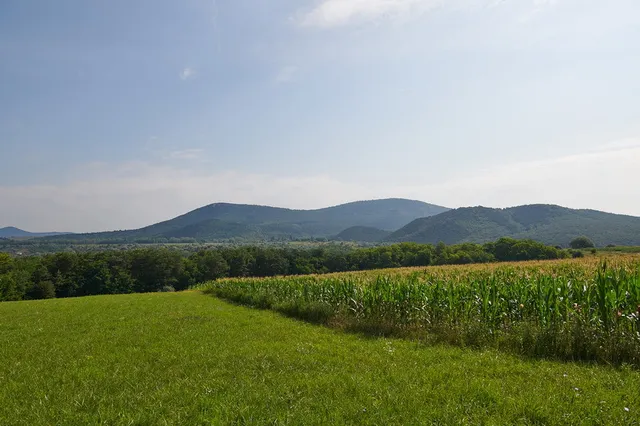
11	232
548	224
365	234
223	221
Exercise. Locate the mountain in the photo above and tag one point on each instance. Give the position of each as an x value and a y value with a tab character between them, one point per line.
549	224
365	234
225	221
11	232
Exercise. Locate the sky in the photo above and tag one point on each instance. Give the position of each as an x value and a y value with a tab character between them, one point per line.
119	114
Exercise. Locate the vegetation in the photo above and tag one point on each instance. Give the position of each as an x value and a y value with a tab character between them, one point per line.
571	310
152	269
620	249
581	243
545	223
184	358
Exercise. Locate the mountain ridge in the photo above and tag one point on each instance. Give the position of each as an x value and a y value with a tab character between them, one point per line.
13	232
547	223
227	221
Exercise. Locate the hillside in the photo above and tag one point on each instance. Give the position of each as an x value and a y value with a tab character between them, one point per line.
12	232
545	223
226	221
365	234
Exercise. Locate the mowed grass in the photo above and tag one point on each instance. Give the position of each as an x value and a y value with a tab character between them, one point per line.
578	309
187	358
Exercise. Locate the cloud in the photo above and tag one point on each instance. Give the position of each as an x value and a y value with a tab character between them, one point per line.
185	154
599	179
107	197
286	74
332	13
137	194
336	13
188	74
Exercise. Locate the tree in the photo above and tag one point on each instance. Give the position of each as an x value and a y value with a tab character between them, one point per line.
210	265
42	290
581	243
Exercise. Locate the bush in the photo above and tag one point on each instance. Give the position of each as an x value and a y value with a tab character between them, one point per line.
576	254
167	289
581	243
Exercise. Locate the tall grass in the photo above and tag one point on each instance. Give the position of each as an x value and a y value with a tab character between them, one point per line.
585	309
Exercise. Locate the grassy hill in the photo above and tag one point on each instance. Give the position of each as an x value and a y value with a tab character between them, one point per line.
545	223
224	221
366	234
186	359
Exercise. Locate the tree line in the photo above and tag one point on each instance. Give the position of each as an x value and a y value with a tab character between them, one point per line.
70	274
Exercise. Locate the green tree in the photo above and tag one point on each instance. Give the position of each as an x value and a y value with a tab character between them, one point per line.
210	265
42	290
581	243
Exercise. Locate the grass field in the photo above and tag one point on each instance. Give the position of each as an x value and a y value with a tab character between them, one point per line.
188	358
579	309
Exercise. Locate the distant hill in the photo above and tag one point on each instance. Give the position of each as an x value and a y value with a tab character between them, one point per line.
226	221
11	232
365	234
549	224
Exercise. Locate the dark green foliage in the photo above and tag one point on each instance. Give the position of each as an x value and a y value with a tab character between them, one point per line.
154	269
41	290
545	223
581	243
508	249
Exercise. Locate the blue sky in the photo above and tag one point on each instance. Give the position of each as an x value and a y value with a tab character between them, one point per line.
118	114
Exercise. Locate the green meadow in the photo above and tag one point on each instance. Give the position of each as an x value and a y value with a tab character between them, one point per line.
189	358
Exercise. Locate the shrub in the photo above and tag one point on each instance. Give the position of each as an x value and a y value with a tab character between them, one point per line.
581	243
167	289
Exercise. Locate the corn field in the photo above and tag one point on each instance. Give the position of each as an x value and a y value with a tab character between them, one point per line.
585	309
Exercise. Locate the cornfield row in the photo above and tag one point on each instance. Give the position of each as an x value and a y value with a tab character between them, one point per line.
576	309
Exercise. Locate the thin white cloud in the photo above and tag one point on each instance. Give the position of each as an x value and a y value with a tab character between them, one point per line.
137	194
188	73
286	74
185	154
599	179
332	13
336	13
